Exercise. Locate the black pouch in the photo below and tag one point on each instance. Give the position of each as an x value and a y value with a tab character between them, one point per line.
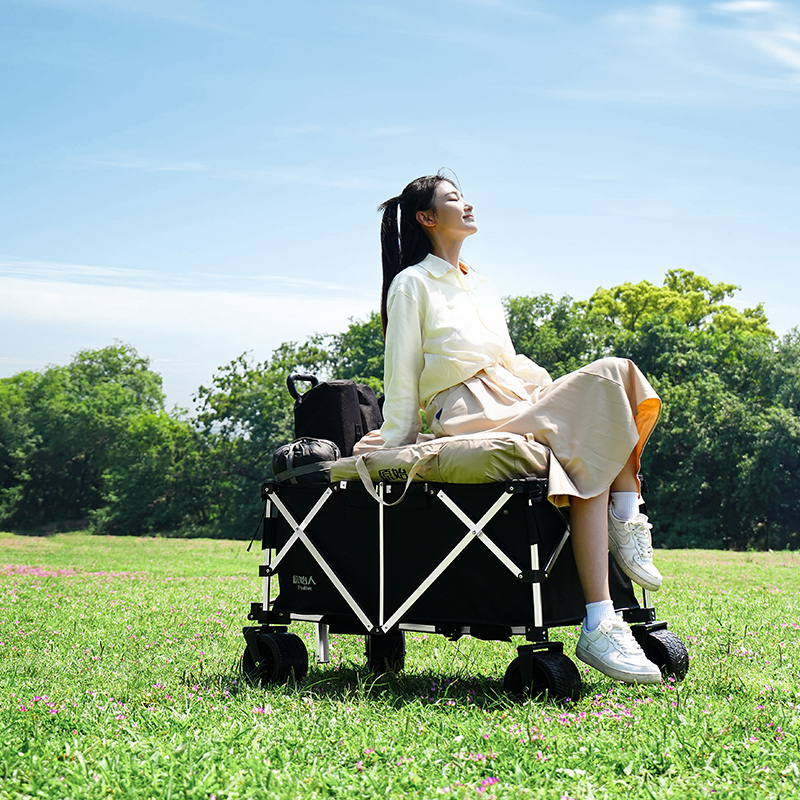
341	411
304	461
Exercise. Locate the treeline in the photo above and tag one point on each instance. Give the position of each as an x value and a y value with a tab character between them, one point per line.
90	444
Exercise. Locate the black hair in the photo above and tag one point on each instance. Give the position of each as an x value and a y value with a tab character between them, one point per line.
404	242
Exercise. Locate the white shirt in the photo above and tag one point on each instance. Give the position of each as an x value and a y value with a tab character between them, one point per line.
443	328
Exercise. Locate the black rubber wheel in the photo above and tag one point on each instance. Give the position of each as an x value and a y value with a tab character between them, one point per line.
386	653
555	677
667	652
281	657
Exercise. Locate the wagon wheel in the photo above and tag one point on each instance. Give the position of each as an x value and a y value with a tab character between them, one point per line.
554	676
386	653
281	656
667	652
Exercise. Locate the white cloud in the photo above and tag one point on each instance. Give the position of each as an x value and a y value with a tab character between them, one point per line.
188	333
391	130
39	273
652	23
49	270
747	6
232	315
670	52
270	175
182	12
773	28
506	7
787	54
148	165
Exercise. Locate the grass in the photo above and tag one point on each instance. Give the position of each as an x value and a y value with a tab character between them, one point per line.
119	678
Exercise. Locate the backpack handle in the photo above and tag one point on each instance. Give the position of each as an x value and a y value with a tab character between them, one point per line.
296	376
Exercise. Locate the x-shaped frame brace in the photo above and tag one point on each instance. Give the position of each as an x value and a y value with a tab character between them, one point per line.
475	530
299	532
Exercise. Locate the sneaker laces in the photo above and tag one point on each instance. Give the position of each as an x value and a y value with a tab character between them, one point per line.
620	634
640	530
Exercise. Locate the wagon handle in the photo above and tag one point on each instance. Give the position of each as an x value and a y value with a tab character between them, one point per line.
296	376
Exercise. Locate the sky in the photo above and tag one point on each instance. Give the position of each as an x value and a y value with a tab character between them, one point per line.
200	179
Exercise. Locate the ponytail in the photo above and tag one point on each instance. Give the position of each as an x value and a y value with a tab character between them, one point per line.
390	250
403	240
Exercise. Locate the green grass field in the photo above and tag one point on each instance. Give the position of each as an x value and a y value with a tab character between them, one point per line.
119	677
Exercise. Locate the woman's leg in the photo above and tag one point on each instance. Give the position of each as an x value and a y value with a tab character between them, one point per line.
589	525
627	481
609	646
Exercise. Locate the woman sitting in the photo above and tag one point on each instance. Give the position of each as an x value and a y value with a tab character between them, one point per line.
448	352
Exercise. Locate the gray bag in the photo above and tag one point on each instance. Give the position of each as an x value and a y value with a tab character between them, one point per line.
304	460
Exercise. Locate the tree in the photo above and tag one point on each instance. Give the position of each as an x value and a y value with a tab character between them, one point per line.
64	426
722	464
685	296
560	335
698	464
773	479
245	414
17	439
357	353
159	480
91	440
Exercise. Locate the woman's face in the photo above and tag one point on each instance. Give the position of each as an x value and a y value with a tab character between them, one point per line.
451	215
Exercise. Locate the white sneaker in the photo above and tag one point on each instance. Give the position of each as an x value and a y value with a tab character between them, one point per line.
631	545
612	650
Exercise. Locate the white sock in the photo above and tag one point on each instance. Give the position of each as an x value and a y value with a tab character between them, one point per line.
596	612
625	505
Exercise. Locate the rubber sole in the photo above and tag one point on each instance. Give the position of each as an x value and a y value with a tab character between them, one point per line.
639	580
613	672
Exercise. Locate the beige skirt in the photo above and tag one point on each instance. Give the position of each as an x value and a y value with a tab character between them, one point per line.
591	420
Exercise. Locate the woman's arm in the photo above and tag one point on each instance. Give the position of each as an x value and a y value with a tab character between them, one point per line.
529	371
403	365
520	365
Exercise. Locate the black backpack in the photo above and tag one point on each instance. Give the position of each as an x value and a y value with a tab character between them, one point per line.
340	411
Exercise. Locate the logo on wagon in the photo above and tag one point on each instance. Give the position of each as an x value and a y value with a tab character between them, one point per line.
304	582
393	474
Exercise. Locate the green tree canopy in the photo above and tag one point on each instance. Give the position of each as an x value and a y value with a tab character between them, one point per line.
244	415
357	353
65	427
686	297
560	335
91	440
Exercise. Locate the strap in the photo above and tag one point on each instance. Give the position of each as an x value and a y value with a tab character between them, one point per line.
307	469
290	472
363	473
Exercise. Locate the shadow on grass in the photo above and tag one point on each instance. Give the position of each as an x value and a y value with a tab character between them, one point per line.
428	687
356	684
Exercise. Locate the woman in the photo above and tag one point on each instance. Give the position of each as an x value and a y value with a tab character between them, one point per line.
448	352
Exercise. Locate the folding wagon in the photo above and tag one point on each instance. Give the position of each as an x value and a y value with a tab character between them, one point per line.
486	560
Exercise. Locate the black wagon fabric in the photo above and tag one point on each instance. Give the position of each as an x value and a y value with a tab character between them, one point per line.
475	589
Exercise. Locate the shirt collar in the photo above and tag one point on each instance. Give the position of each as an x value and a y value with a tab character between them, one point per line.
436	266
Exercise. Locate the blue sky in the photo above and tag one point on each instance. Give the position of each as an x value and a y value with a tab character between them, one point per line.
200	179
